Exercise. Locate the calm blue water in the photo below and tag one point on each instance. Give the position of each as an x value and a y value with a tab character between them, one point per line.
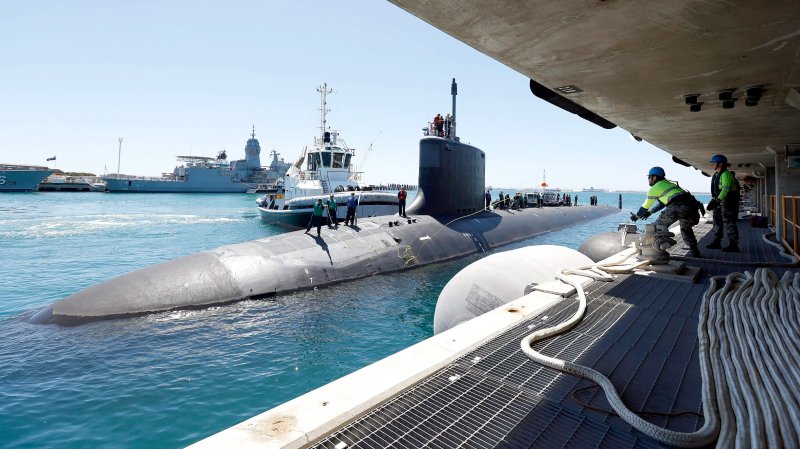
167	380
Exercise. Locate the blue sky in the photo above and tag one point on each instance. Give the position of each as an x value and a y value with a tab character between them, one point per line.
181	77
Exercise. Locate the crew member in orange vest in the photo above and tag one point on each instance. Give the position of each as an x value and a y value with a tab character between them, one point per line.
438	121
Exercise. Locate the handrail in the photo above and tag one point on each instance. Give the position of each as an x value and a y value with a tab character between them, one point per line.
791	226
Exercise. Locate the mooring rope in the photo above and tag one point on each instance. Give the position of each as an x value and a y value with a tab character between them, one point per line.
408	255
703	436
748	335
755	317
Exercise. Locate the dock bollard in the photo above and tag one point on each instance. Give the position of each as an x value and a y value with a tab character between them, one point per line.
620	201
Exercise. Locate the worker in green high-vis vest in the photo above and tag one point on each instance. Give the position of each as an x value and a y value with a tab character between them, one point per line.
316	216
724	204
680	206
332	220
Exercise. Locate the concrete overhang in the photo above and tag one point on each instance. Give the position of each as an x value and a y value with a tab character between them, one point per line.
634	63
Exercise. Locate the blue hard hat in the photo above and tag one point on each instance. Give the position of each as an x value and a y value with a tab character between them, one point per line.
717	158
656	171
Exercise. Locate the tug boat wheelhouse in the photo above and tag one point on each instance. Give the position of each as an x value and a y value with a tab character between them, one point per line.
326	170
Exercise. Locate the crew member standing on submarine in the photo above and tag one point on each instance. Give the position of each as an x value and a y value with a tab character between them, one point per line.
401	201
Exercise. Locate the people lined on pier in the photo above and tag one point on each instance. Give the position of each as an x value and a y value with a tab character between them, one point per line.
678	204
724	204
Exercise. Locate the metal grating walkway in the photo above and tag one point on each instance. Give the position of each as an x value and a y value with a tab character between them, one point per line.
639	331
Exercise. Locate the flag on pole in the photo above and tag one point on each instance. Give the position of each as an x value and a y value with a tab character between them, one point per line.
51	158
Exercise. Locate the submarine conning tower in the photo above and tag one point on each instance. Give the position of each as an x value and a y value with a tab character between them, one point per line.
451	173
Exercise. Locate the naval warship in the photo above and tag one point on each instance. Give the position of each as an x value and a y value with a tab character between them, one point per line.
208	175
21	178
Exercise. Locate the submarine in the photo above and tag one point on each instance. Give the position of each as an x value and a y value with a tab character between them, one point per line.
447	220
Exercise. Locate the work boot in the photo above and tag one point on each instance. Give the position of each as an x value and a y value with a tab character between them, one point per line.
694	251
733	247
716	244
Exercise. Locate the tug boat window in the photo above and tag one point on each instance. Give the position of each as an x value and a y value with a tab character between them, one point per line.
337	160
347	160
326	159
313	162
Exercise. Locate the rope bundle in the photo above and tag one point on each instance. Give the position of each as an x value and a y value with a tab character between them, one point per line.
755	335
748	334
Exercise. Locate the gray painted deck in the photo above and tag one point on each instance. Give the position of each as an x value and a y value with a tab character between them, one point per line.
639	331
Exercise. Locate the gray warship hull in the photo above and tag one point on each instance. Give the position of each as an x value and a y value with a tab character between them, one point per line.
201	180
21	178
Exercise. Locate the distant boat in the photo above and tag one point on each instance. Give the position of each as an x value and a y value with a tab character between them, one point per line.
266	188
544	187
59	183
327	169
592	189
207	174
21	178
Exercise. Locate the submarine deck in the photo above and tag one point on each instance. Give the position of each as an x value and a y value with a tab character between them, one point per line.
640	331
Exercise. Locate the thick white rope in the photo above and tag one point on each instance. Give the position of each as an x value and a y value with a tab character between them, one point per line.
782	250
703	436
756	320
748	334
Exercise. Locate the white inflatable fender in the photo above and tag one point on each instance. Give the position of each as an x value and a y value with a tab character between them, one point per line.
499	279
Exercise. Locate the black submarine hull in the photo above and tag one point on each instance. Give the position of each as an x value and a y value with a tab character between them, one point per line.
296	261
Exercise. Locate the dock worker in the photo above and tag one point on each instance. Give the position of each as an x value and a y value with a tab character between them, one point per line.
680	206
352	203
316	216
724	204
401	201
332	220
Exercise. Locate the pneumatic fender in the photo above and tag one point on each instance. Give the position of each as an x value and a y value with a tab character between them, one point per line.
499	279
606	244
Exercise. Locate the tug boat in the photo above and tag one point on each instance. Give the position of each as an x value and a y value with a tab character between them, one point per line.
326	170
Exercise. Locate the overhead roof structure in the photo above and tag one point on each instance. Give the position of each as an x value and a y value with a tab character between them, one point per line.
691	77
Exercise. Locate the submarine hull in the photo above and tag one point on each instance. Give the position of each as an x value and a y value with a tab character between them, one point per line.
296	261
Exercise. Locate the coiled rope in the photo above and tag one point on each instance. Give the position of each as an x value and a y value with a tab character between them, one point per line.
757	366
748	335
